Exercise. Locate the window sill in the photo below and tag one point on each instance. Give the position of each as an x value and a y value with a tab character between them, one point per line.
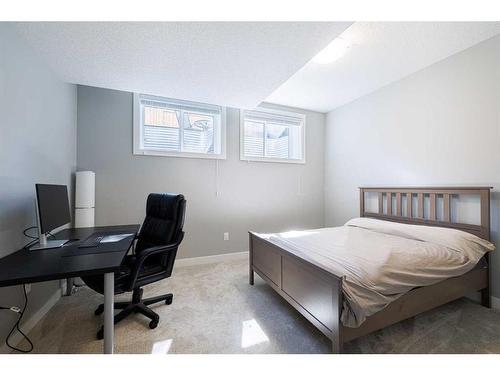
273	160
191	155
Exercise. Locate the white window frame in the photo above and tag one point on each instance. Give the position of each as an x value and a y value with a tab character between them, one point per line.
264	110
138	130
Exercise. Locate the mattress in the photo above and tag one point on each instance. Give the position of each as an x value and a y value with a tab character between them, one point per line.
381	260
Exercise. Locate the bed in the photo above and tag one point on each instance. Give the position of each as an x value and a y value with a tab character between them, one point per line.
320	291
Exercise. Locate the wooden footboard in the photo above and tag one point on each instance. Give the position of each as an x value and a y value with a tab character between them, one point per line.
311	290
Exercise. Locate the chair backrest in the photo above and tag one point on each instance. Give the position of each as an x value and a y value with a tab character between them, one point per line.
162	225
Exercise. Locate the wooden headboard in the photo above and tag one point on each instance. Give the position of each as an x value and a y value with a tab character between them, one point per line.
415	214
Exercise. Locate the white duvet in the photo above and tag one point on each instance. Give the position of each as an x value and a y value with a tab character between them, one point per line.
381	260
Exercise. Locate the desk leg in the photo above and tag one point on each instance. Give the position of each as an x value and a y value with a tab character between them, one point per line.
109	295
69	286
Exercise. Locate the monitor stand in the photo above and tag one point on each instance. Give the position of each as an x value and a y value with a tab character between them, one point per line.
47	244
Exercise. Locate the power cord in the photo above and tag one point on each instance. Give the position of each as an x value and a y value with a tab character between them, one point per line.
34	239
28	245
19	311
27	235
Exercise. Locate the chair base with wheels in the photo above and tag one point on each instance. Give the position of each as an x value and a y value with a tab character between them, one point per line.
137	305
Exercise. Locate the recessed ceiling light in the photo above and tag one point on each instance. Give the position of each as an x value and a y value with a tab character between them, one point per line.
332	52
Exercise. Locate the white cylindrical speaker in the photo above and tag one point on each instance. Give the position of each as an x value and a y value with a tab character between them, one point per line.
85	189
84	199
84	217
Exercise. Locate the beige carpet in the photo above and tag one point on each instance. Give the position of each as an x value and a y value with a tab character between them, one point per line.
216	311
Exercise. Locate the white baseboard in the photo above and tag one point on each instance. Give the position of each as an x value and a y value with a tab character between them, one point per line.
28	325
495	303
184	262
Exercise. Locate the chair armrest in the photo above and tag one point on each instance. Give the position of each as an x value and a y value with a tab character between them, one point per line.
155	250
134	242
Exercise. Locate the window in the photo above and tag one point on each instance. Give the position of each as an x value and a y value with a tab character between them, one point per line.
270	135
170	127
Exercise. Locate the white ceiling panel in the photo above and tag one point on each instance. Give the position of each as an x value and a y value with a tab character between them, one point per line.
236	64
380	53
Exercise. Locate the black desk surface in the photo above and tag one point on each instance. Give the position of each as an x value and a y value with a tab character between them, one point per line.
25	266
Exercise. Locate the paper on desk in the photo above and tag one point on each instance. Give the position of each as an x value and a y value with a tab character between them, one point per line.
115	237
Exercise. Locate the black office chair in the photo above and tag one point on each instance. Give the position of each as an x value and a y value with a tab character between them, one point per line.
153	259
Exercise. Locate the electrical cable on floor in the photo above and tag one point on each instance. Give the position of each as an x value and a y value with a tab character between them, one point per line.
16	325
19	311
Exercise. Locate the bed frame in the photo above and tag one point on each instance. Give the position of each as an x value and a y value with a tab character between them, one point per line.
316	292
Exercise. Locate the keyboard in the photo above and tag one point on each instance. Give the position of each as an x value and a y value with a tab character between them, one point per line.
91	241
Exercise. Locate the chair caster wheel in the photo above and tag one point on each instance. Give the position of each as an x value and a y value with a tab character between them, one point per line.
100	334
153	324
99	310
168	301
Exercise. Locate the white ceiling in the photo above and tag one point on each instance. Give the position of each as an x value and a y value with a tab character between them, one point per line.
381	53
235	64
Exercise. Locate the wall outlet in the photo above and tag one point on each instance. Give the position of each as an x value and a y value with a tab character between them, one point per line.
28	288
226	236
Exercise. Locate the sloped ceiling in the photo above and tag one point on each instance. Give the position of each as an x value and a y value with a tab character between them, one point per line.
235	64
380	53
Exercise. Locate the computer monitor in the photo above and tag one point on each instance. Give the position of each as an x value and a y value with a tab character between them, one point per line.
52	212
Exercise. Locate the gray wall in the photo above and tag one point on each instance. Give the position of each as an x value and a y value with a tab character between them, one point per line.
37	144
439	126
252	195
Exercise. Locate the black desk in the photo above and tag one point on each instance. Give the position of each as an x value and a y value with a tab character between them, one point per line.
26	266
